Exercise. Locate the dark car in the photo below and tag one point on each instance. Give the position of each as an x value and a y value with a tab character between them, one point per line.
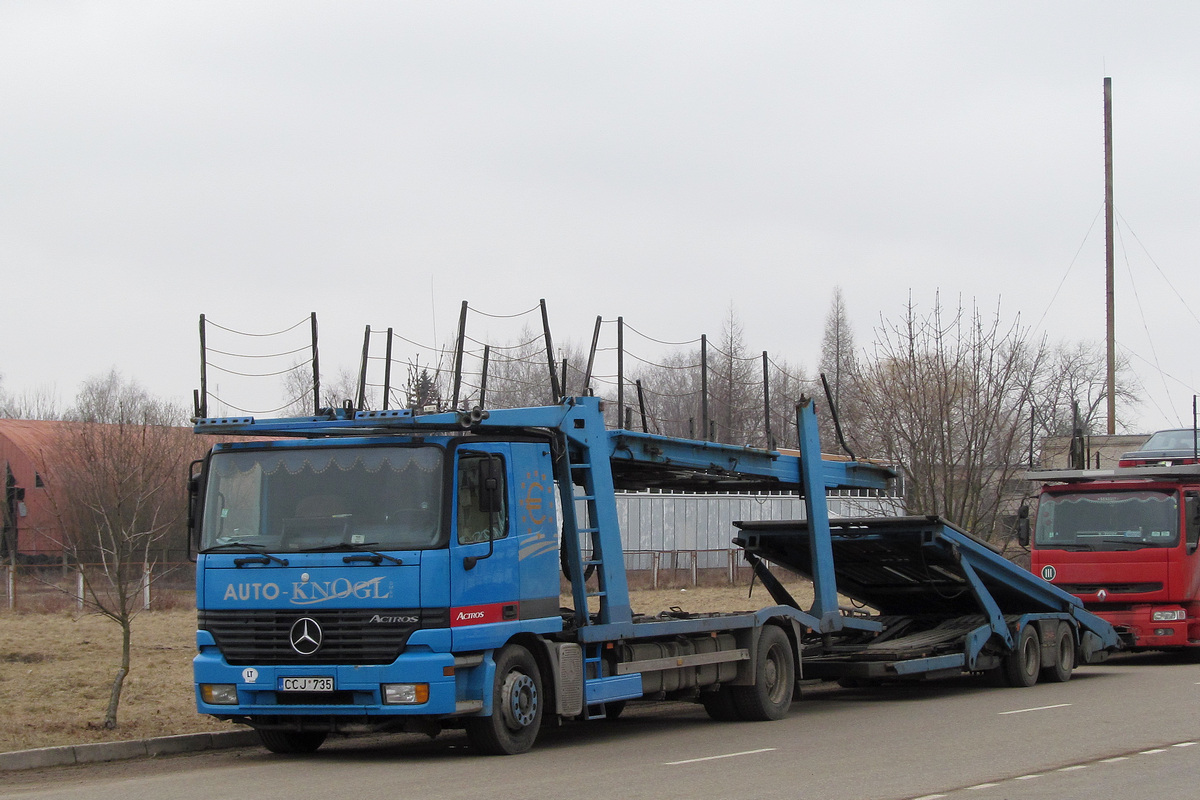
1165	448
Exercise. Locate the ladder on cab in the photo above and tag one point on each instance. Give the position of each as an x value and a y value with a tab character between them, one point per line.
595	560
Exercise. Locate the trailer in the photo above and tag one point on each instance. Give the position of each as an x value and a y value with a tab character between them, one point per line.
390	570
941	601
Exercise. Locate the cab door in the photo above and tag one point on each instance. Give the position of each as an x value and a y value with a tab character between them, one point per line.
484	576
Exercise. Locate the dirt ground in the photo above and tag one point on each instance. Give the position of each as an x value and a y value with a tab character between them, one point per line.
57	668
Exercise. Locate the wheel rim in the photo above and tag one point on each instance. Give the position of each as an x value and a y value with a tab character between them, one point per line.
773	675
520	710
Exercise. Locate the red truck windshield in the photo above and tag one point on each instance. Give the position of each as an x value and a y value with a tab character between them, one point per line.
1123	520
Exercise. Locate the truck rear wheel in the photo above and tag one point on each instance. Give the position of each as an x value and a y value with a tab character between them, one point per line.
286	742
516	706
774	679
1022	665
1064	656
720	705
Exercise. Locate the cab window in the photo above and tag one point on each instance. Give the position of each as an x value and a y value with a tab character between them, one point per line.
477	519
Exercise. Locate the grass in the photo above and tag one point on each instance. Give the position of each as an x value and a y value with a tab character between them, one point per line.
57	668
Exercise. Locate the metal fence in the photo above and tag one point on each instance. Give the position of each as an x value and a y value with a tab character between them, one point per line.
682	538
61	588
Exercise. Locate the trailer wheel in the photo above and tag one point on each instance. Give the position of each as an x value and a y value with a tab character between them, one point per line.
290	742
720	705
1022	665
1064	656
775	679
516	706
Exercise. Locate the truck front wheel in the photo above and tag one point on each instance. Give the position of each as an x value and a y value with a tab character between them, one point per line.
286	742
1022	665
774	679
516	706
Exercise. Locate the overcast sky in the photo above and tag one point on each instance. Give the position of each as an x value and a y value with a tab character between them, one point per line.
379	163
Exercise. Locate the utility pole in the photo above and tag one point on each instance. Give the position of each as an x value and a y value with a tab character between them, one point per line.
1108	259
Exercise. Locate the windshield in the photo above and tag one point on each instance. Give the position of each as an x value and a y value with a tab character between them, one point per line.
1184	439
290	499
1108	520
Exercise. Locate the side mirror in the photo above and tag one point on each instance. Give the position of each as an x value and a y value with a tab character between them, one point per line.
193	516
1023	525
489	485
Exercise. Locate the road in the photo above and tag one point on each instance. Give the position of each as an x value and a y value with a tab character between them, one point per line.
1129	728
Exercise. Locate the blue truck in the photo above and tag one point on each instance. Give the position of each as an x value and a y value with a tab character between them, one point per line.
366	571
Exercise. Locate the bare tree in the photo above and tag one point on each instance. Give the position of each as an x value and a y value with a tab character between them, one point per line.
1076	373
671	388
298	390
735	386
116	472
40	403
946	396
839	365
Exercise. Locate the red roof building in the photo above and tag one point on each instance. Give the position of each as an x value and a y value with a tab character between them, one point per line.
29	518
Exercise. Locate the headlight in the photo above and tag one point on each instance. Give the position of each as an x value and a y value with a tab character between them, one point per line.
219	694
1168	616
405	693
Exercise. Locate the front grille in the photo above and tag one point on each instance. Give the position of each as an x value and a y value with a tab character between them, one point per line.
349	636
1111	588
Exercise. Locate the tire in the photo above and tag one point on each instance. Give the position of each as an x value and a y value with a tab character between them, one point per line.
719	705
1064	656
516	706
613	709
291	742
1022	665
774	679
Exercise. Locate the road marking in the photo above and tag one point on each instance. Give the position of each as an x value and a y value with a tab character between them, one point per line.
1072	768
1039	708
714	758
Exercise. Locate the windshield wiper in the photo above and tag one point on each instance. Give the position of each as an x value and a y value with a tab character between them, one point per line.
373	556
1069	546
368	555
265	558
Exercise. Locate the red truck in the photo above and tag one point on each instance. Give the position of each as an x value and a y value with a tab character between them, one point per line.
1124	542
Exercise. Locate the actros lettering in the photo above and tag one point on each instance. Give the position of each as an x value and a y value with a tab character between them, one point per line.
378	618
467	615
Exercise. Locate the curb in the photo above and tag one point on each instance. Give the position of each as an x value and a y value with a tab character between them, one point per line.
68	755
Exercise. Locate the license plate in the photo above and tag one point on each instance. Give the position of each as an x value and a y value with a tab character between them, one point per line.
307	684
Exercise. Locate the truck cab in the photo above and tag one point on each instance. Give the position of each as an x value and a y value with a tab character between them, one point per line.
323	561
1125	542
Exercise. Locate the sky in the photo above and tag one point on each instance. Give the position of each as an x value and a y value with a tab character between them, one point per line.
378	163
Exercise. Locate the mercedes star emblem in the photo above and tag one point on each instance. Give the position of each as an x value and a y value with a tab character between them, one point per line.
305	636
